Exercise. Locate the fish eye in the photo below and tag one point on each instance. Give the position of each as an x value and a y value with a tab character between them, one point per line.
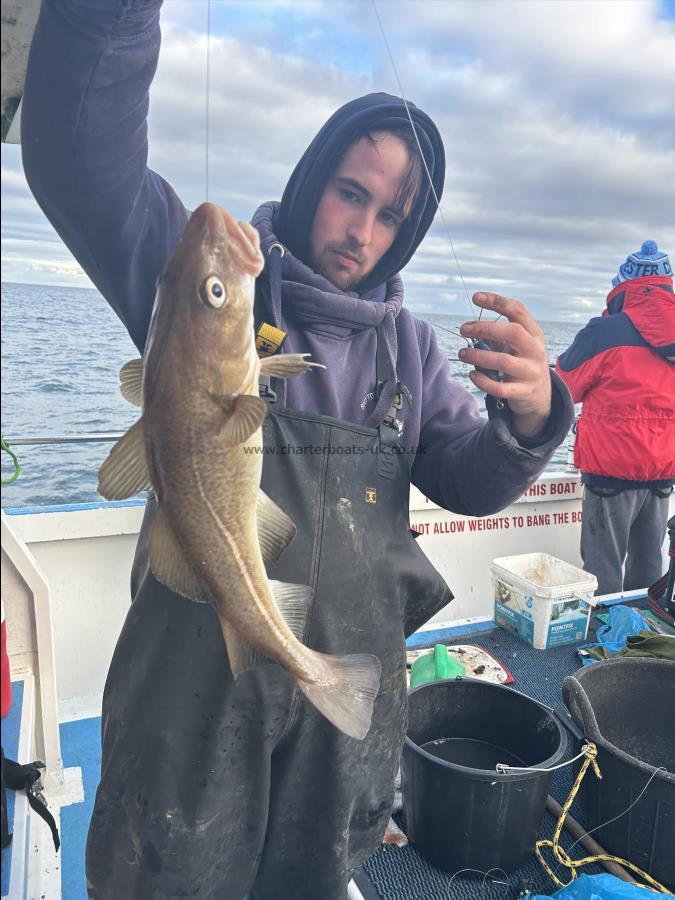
212	292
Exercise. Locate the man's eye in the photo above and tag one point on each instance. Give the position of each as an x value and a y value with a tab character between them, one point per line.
349	196
389	220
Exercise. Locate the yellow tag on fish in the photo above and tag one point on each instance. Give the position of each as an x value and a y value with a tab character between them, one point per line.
269	339
371	495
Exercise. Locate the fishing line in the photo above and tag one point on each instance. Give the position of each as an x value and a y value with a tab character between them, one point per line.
424	162
487	875
475	343
484	874
208	96
602	825
453	331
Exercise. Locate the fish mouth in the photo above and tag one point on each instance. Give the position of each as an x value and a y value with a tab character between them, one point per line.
216	227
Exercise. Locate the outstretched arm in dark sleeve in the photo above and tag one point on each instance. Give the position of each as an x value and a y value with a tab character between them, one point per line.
85	150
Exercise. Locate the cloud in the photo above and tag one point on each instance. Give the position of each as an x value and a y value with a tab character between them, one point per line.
555	116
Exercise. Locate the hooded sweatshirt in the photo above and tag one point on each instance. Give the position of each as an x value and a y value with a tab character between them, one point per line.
621	366
84	142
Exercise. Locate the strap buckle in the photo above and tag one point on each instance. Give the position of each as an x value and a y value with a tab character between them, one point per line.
391	419
265	391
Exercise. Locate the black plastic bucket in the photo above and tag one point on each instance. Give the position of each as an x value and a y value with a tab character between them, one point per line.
459	815
626	707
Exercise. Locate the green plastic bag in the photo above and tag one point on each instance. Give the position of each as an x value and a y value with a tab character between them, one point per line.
435	666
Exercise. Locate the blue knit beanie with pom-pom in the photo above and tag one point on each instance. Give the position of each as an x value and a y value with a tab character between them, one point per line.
648	260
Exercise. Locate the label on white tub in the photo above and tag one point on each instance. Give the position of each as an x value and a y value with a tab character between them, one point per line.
567	632
514	621
564	622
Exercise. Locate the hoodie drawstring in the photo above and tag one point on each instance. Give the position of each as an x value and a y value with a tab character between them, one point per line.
275	254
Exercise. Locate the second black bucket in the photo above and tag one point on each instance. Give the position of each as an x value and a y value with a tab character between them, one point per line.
625	706
461	813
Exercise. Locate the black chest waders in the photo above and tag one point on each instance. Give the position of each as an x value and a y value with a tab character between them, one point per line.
221	791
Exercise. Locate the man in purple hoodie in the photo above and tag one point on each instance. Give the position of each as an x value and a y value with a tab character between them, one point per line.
216	789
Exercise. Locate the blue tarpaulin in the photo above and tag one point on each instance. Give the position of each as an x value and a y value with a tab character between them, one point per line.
598	887
623	622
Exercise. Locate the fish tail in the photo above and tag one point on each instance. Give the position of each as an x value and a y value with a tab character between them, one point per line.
346	698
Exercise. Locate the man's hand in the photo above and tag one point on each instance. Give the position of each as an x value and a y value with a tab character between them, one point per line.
519	354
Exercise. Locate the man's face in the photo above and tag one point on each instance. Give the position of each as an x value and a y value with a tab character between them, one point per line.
356	221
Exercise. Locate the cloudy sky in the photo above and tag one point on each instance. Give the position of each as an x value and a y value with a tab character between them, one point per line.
557	119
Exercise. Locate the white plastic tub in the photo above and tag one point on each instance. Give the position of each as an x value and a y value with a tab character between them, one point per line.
542	599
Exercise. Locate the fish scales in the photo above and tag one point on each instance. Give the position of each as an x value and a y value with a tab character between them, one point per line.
199	444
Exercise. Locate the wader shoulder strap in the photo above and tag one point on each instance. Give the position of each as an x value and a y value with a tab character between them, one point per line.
384	368
391	427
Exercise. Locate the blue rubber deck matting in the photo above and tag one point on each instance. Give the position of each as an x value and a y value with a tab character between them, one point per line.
80	746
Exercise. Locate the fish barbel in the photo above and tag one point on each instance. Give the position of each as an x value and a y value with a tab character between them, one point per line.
198	445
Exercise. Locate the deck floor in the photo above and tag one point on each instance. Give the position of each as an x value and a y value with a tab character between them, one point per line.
396	873
80	746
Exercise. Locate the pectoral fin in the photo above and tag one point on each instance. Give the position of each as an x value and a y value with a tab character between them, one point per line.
131	380
125	470
245	415
287	365
168	562
275	529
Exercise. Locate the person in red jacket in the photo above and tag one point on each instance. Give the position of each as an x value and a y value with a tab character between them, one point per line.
621	366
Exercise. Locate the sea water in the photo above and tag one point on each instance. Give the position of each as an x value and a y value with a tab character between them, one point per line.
62	349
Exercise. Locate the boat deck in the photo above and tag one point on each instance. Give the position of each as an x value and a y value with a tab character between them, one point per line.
400	873
392	873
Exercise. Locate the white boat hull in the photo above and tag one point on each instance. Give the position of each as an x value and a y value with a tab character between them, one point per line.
85	555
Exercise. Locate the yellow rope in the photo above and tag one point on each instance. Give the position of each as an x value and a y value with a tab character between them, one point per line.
561	856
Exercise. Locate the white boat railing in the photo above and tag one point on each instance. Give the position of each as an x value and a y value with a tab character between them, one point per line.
94	437
16	554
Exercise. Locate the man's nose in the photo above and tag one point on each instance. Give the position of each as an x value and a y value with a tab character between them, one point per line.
360	229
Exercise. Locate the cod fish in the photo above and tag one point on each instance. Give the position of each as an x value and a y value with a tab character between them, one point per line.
198	446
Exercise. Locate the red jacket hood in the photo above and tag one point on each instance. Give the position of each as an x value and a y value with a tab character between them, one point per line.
649	303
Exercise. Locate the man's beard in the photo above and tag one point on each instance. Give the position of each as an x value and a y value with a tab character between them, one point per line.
343	281
346	283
